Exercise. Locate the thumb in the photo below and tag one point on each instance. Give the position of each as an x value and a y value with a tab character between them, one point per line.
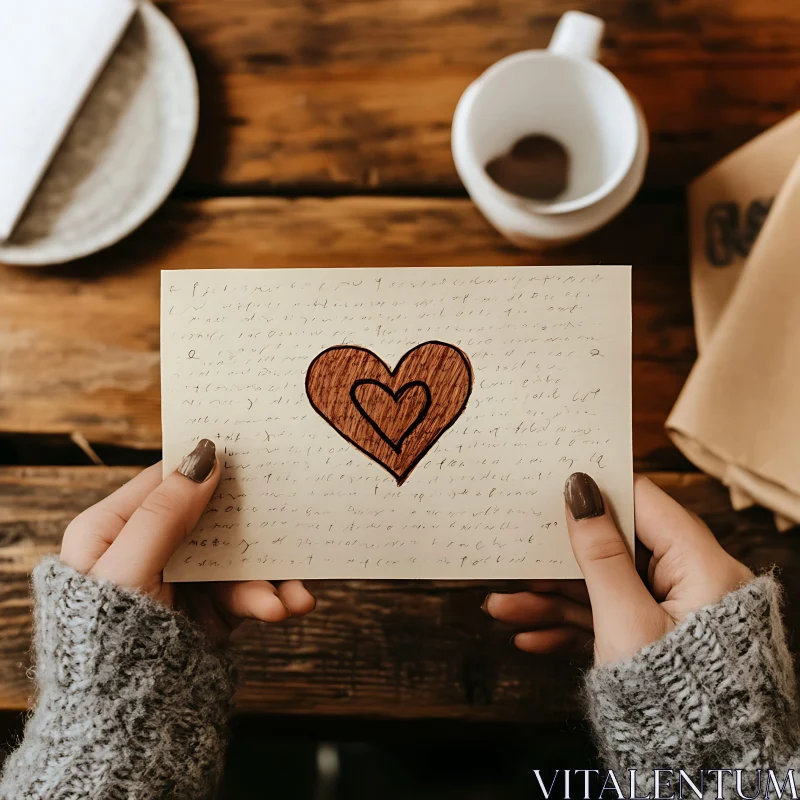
626	617
138	555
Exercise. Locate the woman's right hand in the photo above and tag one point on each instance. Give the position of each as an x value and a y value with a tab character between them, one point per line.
687	569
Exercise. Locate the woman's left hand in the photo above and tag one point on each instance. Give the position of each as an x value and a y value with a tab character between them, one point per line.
128	537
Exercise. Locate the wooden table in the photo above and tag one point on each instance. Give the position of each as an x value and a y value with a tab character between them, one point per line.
324	140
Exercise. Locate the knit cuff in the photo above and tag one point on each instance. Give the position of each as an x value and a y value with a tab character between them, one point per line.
132	700
92	635
719	690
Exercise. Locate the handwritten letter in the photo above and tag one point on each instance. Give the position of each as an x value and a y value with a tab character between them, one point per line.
550	355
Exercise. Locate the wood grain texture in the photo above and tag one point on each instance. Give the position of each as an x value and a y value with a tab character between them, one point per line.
79	344
385	648
359	94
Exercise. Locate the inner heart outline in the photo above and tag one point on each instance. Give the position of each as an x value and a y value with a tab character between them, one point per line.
398	445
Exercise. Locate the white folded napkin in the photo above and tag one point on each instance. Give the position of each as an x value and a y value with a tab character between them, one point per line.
51	53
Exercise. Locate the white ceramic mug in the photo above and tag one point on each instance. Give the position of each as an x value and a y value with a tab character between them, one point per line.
563	93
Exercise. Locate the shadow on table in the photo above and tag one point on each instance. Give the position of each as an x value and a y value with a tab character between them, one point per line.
349	760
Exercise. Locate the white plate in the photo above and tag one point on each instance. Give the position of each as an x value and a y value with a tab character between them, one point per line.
124	153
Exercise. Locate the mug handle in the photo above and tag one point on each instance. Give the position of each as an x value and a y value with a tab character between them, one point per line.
577	35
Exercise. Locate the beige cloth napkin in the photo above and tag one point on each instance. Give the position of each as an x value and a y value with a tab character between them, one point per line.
738	417
727	206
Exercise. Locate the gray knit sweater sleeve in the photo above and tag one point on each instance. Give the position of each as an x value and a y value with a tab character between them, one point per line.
716	692
132	698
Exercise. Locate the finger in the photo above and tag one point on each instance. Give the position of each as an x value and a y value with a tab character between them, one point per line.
574	589
553	640
661	521
626	617
251	600
529	610
89	535
156	528
296	598
688	567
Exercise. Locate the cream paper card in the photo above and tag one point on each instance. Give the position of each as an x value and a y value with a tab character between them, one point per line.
505	380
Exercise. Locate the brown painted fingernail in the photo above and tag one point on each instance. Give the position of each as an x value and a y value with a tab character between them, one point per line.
583	496
199	464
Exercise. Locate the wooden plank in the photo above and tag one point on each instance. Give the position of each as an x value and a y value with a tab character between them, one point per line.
381	648
360	94
79	345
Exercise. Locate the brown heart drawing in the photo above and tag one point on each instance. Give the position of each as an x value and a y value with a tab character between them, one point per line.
393	416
